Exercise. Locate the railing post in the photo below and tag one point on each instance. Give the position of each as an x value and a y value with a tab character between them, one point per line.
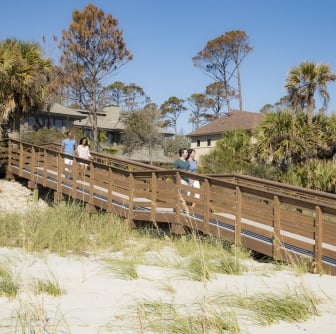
32	183
238	217
8	169
206	214
154	197
74	176
20	159
44	165
318	238
92	180
181	203
58	195
276	228
178	202
131	202
33	164
110	190
89	207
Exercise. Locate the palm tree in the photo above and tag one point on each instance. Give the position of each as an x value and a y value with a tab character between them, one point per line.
304	81
283	138
23	78
327	150
6	104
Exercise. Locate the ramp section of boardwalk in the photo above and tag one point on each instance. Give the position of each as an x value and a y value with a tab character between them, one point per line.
277	220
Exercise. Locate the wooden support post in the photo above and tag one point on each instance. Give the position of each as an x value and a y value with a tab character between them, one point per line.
33	166
74	171
131	223
177	229
153	197
44	166
276	228
110	190
238	217
206	187
179	200
32	185
92	183
89	208
21	158
8	173
318	238
58	196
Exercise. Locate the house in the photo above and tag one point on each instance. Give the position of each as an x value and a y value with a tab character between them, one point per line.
63	118
59	117
108	120
204	139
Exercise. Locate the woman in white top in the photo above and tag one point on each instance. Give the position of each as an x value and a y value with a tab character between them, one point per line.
83	150
193	168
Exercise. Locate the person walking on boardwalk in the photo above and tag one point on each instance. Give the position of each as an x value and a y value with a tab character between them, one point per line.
193	169
83	151
182	163
69	147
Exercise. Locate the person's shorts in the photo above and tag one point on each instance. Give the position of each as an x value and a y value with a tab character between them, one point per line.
68	161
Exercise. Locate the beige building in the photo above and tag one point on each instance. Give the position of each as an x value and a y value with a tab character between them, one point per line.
204	139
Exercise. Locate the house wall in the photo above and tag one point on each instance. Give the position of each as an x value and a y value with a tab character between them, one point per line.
34	123
204	144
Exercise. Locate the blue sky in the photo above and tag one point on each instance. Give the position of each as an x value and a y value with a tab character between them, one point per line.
164	35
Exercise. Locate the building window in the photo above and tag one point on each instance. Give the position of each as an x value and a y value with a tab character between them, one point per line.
209	142
58	123
198	143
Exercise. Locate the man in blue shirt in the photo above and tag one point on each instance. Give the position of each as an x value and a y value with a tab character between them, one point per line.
69	144
69	147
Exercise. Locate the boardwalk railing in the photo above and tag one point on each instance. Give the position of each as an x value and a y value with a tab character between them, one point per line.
278	220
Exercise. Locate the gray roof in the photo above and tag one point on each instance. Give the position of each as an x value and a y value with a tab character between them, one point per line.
60	110
108	118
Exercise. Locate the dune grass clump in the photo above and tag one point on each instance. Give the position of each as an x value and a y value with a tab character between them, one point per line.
49	286
122	268
206	257
10	230
269	308
9	286
64	228
169	318
228	265
34	318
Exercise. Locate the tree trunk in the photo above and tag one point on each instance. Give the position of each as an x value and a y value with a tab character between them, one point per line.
239	90
95	130
310	110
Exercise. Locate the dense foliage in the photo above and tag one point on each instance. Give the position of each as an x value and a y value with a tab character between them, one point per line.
283	148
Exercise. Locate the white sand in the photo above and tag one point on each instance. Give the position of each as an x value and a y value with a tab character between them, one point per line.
96	300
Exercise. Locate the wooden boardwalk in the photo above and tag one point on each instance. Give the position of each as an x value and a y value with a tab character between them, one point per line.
274	219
